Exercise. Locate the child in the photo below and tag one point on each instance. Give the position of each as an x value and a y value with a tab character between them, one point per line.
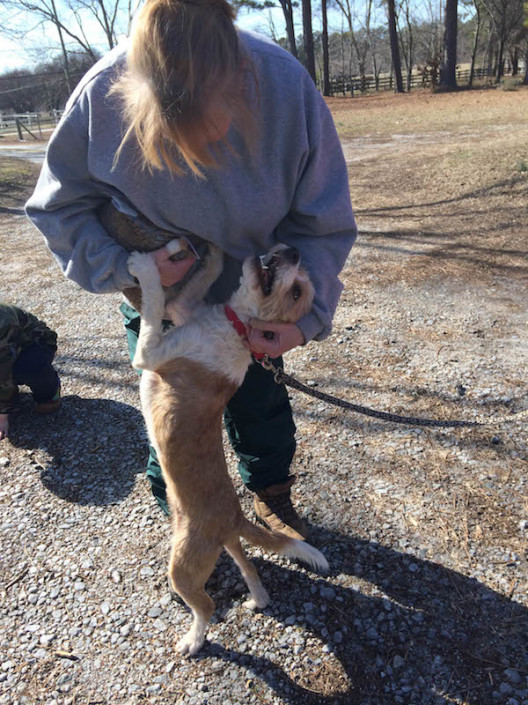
27	349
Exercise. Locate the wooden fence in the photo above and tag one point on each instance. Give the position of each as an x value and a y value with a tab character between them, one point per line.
349	85
40	125
23	126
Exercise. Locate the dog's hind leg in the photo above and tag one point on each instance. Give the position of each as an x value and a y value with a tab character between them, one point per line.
202	607
188	573
259	597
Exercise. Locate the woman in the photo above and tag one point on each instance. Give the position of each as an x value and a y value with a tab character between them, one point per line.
220	136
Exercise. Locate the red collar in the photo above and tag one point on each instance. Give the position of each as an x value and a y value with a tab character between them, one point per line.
240	328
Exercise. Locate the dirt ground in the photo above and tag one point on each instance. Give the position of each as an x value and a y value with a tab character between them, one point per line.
447	171
426	530
439	184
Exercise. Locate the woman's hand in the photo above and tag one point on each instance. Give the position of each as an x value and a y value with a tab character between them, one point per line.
286	336
172	272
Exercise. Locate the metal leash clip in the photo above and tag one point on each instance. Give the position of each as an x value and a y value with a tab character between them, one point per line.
267	364
278	373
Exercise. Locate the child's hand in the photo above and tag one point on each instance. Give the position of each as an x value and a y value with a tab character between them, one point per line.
4	426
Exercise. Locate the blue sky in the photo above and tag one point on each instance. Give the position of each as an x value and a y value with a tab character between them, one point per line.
15	55
40	44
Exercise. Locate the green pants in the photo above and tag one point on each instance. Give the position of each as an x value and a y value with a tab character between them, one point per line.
258	420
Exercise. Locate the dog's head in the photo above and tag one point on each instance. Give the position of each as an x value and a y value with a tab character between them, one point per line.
274	287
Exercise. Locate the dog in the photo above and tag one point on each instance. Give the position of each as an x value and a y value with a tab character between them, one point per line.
189	374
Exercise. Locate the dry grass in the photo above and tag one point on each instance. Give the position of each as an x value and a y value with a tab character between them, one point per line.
456	200
17	180
466	112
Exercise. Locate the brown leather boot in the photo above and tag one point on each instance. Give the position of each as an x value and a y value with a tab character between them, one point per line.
274	509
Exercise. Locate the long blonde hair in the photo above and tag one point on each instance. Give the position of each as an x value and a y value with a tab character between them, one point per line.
182	53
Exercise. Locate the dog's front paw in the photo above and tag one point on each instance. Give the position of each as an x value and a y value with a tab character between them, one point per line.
141	265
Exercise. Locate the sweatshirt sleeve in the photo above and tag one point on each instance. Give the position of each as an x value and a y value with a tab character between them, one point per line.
321	222
64	208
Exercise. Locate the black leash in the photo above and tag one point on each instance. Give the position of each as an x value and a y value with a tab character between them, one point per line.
282	377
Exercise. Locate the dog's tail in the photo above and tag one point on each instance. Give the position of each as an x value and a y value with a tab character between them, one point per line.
285	546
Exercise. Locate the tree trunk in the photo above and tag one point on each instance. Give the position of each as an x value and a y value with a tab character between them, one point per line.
490	50
407	51
67	74
514	56
448	70
394	45
500	61
308	37
287	10
327	88
107	25
475	47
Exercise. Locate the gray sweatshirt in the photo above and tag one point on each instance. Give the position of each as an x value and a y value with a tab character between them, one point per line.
292	189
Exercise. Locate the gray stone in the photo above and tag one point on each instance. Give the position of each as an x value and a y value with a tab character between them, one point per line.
398	661
328	593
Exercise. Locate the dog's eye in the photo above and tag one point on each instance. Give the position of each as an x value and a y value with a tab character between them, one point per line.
296	292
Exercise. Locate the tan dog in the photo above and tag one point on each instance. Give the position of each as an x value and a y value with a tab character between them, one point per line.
189	375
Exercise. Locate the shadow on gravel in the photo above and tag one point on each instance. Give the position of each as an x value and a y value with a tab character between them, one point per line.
423	634
93	448
11	211
439	248
485	192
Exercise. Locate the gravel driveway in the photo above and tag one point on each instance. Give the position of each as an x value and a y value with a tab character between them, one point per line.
425	531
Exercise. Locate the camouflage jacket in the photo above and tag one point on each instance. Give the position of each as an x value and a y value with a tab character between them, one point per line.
18	329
